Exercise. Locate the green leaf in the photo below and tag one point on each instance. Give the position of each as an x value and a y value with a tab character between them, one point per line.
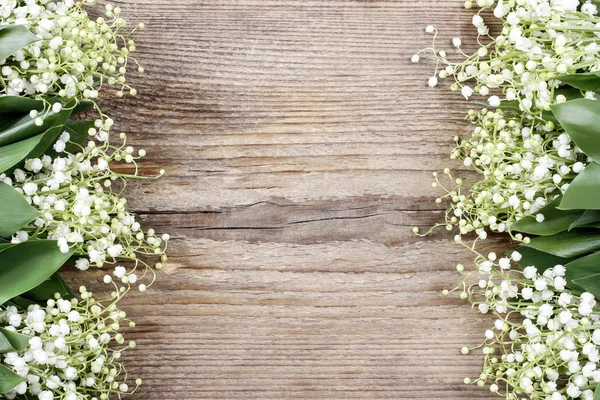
8	379
19	105
23	105
15	212
13	154
81	106
590	284
78	130
597	393
17	341
45	142
567	244
20	302
25	127
588	81
582	267
45	291
542	261
555	221
580	118
7	119
571	93
13	38
584	192
5	346
27	265
588	218
4	246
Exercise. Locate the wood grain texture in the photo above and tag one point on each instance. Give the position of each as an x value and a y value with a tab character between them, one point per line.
299	141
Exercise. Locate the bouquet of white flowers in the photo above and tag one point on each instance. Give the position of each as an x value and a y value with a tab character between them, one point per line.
59	202
536	146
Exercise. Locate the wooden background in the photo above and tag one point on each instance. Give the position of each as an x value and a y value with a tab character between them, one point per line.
299	141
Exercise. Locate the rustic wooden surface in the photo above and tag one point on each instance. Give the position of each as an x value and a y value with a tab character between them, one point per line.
299	141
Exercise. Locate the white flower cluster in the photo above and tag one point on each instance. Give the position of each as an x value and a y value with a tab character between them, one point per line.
524	165
79	209
75	55
545	340
75	345
540	40
68	356
550	351
525	159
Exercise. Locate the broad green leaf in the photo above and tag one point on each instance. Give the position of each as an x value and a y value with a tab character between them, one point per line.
542	261
45	291
7	119
20	302
597	393
81	106
580	118
588	81
590	284
582	267
46	141
5	346
19	105
15	212
588	218
17	341
27	265
571	93
567	244
13	38
78	131
50	136
4	246
555	221
584	192
13	154
25	127
594	225
8	379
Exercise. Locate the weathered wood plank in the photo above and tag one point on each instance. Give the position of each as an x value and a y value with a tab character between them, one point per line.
299	141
